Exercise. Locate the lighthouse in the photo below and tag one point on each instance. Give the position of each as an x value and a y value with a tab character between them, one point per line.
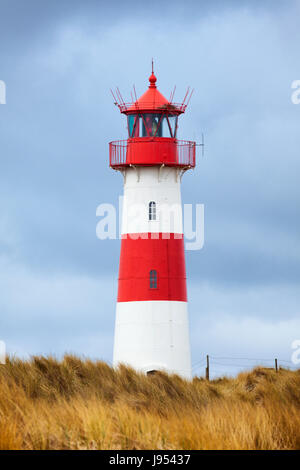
152	325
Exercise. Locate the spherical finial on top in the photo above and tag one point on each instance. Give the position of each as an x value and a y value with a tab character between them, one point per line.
152	78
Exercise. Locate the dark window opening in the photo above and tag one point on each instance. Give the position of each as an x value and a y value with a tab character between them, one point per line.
153	279
152	210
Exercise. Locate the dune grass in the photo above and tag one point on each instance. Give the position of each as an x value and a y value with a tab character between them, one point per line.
81	404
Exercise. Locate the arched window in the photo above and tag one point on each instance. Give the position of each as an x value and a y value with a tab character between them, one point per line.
153	279
152	210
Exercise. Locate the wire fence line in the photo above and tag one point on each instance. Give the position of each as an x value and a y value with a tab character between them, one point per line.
221	363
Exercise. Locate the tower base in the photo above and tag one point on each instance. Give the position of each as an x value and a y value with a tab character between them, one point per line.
153	335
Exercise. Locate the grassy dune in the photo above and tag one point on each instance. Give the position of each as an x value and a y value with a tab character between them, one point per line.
80	404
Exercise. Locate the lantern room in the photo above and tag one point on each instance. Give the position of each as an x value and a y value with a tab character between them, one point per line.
152	123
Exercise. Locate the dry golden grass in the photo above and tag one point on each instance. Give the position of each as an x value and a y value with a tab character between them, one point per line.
80	404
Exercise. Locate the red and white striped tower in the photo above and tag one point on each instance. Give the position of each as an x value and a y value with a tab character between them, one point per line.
152	328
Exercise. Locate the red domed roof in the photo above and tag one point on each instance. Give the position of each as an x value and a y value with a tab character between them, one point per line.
151	100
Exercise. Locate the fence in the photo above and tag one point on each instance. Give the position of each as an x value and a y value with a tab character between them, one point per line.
215	364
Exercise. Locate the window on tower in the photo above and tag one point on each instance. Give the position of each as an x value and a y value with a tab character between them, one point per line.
152	210
153	279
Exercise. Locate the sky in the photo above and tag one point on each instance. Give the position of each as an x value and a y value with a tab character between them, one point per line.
58	282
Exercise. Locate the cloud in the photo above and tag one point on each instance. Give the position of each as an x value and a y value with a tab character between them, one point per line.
58	65
240	328
56	314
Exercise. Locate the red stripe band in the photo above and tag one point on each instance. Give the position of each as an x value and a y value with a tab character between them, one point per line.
163	256
153	236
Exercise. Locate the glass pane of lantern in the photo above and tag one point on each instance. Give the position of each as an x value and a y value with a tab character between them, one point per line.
151	125
131	121
173	124
165	128
145	125
137	127
156	125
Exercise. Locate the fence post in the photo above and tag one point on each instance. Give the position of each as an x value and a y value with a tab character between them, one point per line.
207	368
276	365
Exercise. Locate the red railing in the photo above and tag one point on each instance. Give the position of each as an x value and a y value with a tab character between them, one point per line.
181	153
176	108
186	153
117	153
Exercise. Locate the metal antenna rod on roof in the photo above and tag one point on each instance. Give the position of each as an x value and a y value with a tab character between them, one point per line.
190	97
152	66
187	92
173	94
118	95
121	97
116	101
